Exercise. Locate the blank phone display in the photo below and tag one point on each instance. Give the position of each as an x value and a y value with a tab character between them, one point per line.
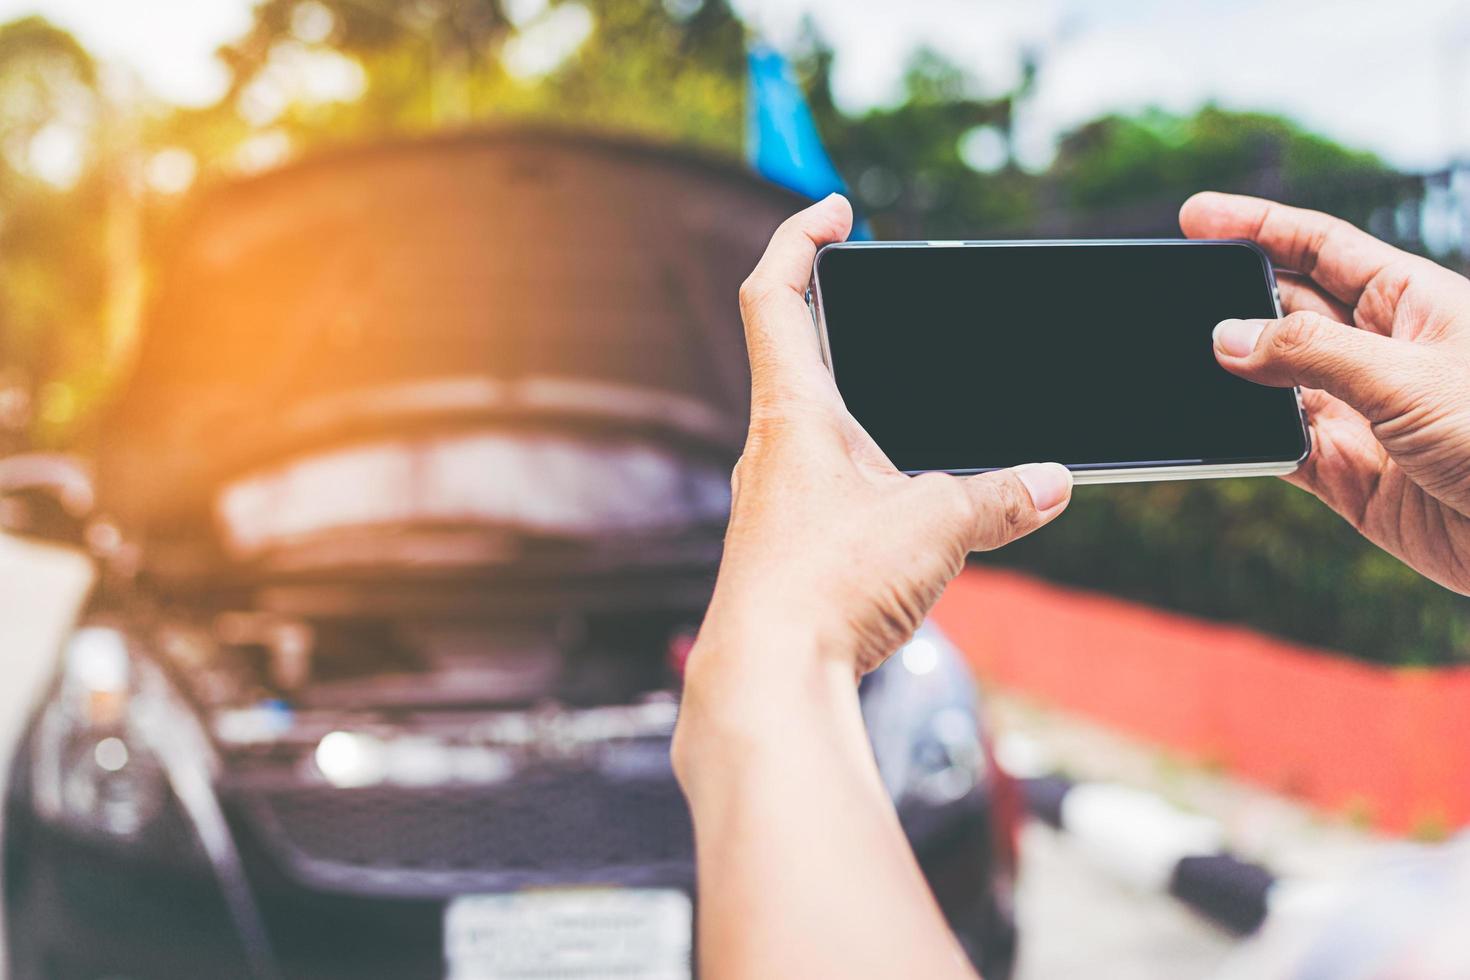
1098	356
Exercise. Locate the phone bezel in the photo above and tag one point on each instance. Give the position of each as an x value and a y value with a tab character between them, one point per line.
1141	471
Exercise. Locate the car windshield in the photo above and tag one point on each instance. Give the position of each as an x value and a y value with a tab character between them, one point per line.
541	484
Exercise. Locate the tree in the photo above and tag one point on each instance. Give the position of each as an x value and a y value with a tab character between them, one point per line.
906	163
1123	159
1126	175
668	70
58	249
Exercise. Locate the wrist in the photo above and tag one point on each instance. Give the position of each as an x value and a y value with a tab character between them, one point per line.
757	698
751	669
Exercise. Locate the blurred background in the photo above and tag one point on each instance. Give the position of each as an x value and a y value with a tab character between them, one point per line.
945	119
991	120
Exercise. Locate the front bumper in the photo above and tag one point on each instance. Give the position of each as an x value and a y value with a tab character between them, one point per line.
80	913
348	883
76	912
355	882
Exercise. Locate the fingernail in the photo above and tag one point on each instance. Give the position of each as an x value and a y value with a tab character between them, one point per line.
1238	337
1047	483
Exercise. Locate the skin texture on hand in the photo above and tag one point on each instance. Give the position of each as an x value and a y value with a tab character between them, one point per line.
1380	342
831	561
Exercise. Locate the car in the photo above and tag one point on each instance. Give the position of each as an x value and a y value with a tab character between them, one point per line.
405	519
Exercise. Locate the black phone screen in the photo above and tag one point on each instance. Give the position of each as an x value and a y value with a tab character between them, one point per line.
1098	356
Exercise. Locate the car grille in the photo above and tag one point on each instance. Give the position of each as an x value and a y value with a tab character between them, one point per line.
546	827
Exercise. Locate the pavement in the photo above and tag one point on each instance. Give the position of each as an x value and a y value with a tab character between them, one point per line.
1078	919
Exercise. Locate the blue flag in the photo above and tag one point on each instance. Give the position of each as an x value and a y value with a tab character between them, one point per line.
781	139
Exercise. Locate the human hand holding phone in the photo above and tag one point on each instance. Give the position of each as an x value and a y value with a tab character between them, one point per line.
832	559
827	540
1380	341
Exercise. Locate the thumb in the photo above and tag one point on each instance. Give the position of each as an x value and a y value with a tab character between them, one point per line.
1376	375
1008	504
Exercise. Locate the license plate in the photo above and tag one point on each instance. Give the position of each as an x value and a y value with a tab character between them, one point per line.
570	934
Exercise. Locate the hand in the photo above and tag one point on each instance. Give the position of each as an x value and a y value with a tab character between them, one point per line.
1380	341
829	547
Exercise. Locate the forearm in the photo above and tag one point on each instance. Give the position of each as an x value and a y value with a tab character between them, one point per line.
803	867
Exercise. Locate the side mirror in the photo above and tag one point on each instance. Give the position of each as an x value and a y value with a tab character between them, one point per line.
46	495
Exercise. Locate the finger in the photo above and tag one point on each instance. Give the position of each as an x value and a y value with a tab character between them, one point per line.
1339	257
778	326
1298	293
1320	406
1344	448
1009	504
787	262
1373	374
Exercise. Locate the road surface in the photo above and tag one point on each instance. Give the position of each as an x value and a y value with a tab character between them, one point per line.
1078	920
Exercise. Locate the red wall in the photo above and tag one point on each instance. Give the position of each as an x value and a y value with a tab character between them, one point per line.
1394	743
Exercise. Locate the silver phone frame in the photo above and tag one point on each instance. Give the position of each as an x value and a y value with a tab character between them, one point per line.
1145	472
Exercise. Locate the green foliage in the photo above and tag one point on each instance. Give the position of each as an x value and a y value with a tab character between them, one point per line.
443	44
646	71
666	71
906	167
56	246
1117	159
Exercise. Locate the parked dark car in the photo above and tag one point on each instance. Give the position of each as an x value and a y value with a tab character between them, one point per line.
407	516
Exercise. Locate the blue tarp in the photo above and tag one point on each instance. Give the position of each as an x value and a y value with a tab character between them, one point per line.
781	139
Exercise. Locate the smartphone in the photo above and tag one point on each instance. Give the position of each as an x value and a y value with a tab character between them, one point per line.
970	356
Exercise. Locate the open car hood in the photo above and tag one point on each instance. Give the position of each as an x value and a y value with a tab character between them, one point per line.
496	278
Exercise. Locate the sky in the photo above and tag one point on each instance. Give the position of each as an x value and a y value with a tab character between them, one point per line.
1392	77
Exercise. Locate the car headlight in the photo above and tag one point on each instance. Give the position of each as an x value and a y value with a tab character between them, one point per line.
92	766
947	761
924	722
